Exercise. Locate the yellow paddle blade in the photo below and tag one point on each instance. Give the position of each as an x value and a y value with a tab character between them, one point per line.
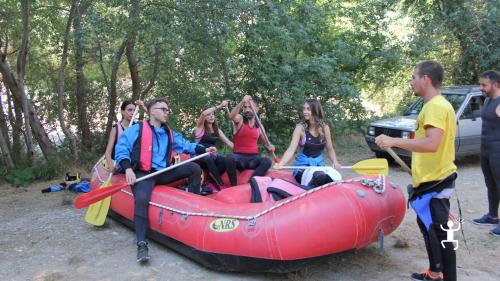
97	212
375	166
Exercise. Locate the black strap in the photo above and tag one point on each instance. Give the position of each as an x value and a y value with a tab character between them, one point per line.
278	194
255	197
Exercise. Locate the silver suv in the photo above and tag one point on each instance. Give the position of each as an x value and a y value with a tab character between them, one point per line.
467	102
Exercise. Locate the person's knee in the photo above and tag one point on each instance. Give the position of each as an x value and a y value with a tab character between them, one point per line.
194	168
266	163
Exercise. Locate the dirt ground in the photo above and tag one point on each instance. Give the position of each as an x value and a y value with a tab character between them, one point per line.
43	237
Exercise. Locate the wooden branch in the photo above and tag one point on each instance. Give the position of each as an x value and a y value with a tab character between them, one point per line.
156	68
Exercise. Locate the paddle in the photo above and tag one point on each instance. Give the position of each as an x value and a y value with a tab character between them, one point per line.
232	123
97	212
136	110
99	194
399	160
375	166
276	160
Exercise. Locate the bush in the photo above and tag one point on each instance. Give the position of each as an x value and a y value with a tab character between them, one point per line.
24	176
20	176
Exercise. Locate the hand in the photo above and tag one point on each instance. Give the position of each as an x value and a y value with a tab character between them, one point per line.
385	141
271	148
224	104
336	165
247	99
108	165
212	150
130	176
139	103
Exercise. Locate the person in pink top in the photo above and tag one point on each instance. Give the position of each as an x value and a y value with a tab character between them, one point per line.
208	134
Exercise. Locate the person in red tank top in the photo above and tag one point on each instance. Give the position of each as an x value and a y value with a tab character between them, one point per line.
246	137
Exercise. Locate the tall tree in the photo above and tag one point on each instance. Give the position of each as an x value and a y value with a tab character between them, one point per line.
131	59
21	67
17	88
80	91
60	85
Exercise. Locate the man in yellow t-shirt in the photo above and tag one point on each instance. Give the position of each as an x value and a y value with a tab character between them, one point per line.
433	170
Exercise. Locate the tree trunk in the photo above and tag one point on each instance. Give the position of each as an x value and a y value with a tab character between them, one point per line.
5	150
81	99
18	91
16	87
21	65
16	128
156	69
132	60
112	86
60	86
3	122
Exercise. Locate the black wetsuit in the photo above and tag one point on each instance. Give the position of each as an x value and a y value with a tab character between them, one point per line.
490	153
215	164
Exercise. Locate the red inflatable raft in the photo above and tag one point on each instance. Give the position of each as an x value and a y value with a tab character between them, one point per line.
224	231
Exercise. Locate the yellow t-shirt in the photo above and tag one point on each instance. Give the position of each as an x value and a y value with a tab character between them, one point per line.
428	166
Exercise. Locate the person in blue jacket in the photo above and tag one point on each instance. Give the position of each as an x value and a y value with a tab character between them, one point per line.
147	147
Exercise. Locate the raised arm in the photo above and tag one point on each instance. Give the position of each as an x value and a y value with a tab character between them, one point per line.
331	150
297	135
234	115
225	140
201	120
141	105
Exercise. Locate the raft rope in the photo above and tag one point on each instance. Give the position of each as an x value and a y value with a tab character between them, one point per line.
378	185
101	180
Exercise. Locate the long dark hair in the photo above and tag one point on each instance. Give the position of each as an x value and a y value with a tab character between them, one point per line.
215	126
317	116
125	103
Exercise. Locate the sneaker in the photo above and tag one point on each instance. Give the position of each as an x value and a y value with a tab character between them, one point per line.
142	252
425	276
495	231
486	220
205	190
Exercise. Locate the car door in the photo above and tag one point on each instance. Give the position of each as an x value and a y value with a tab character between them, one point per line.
469	126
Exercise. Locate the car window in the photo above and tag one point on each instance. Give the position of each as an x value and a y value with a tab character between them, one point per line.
454	99
473	108
415	107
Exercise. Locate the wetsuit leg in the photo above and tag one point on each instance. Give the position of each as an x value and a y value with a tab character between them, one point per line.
220	163
191	170
231	164
425	235
490	164
260	164
298	176
440	210
212	164
142	194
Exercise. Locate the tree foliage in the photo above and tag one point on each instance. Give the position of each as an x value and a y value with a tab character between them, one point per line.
198	53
